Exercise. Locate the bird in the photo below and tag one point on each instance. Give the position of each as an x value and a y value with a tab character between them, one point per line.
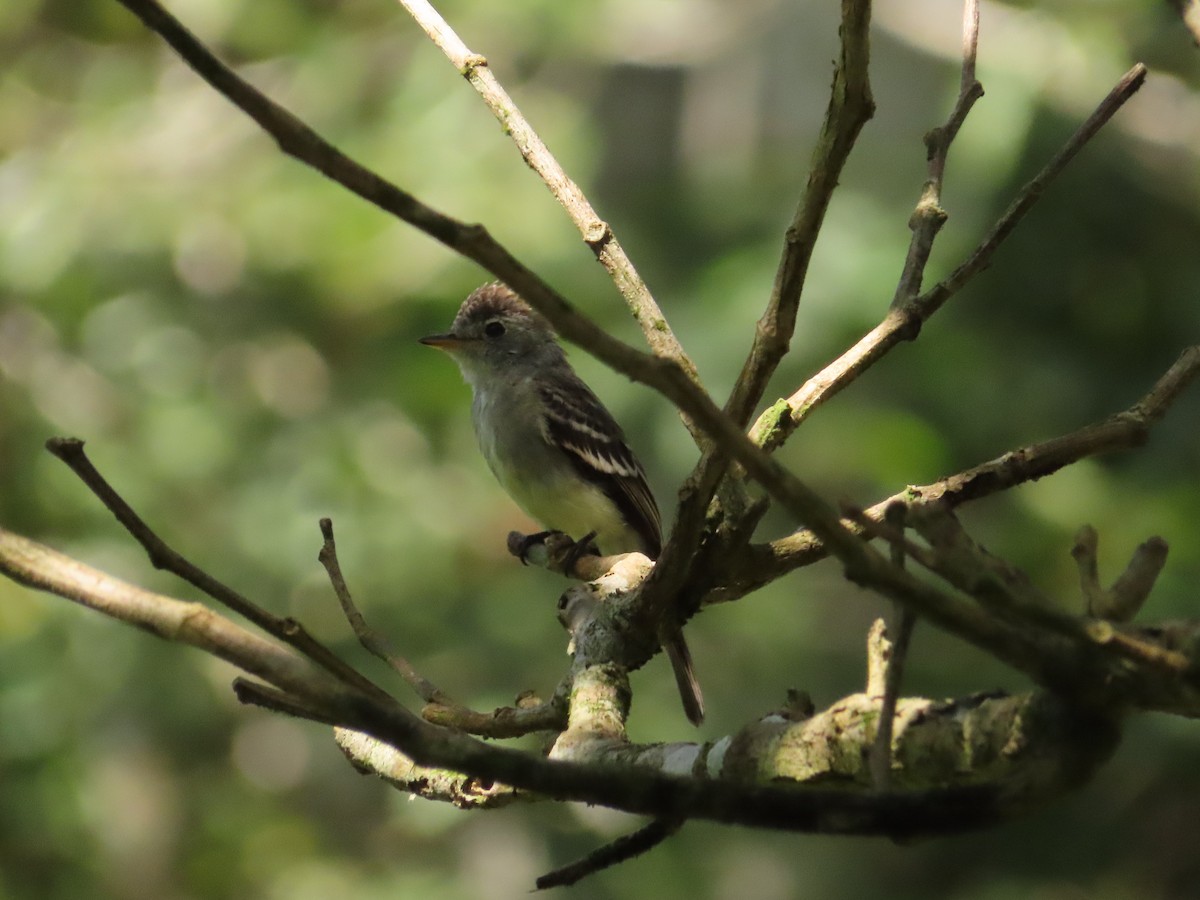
551	443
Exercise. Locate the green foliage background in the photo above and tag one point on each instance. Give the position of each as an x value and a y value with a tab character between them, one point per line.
235	339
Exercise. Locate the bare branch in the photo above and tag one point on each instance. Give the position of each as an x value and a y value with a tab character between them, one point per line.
440	709
850	106
473	242
928	217
255	693
903	323
596	233
894	657
1121	602
374	642
526	717
41	568
162	556
1121	431
624	848
374	757
981	257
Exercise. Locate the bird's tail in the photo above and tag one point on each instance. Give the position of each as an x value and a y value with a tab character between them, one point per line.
685	675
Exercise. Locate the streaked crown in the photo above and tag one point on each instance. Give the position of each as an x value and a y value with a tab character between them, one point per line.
496	301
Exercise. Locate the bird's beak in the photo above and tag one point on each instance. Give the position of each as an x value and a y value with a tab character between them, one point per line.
448	342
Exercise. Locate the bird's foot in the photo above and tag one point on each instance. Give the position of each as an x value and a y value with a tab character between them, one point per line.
523	545
585	546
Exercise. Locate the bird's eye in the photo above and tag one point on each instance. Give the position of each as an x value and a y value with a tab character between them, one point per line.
493	329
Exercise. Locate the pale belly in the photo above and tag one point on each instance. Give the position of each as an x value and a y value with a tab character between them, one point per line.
544	483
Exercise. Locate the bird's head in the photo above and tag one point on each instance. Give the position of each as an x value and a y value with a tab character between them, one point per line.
495	328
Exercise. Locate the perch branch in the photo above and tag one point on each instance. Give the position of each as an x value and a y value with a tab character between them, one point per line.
639	789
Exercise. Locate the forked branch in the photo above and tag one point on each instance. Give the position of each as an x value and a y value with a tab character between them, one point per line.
904	322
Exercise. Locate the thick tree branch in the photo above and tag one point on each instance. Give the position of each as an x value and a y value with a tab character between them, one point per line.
647	788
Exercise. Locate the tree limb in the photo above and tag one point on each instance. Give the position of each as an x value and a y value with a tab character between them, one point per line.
902	323
761	564
850	107
162	556
651	780
596	233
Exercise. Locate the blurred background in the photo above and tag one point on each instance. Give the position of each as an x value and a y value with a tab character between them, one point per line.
235	339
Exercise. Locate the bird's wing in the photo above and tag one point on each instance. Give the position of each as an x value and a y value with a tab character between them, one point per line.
577	422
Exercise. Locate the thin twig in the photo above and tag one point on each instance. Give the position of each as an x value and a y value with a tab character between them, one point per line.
778	422
928	217
1170	661
255	693
440	709
622	849
505	722
375	643
596	233
162	556
881	749
981	257
44	569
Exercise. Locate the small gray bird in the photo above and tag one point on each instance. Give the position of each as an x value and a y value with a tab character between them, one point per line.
550	442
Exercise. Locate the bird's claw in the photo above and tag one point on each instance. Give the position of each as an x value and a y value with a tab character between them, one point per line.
524	543
585	546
